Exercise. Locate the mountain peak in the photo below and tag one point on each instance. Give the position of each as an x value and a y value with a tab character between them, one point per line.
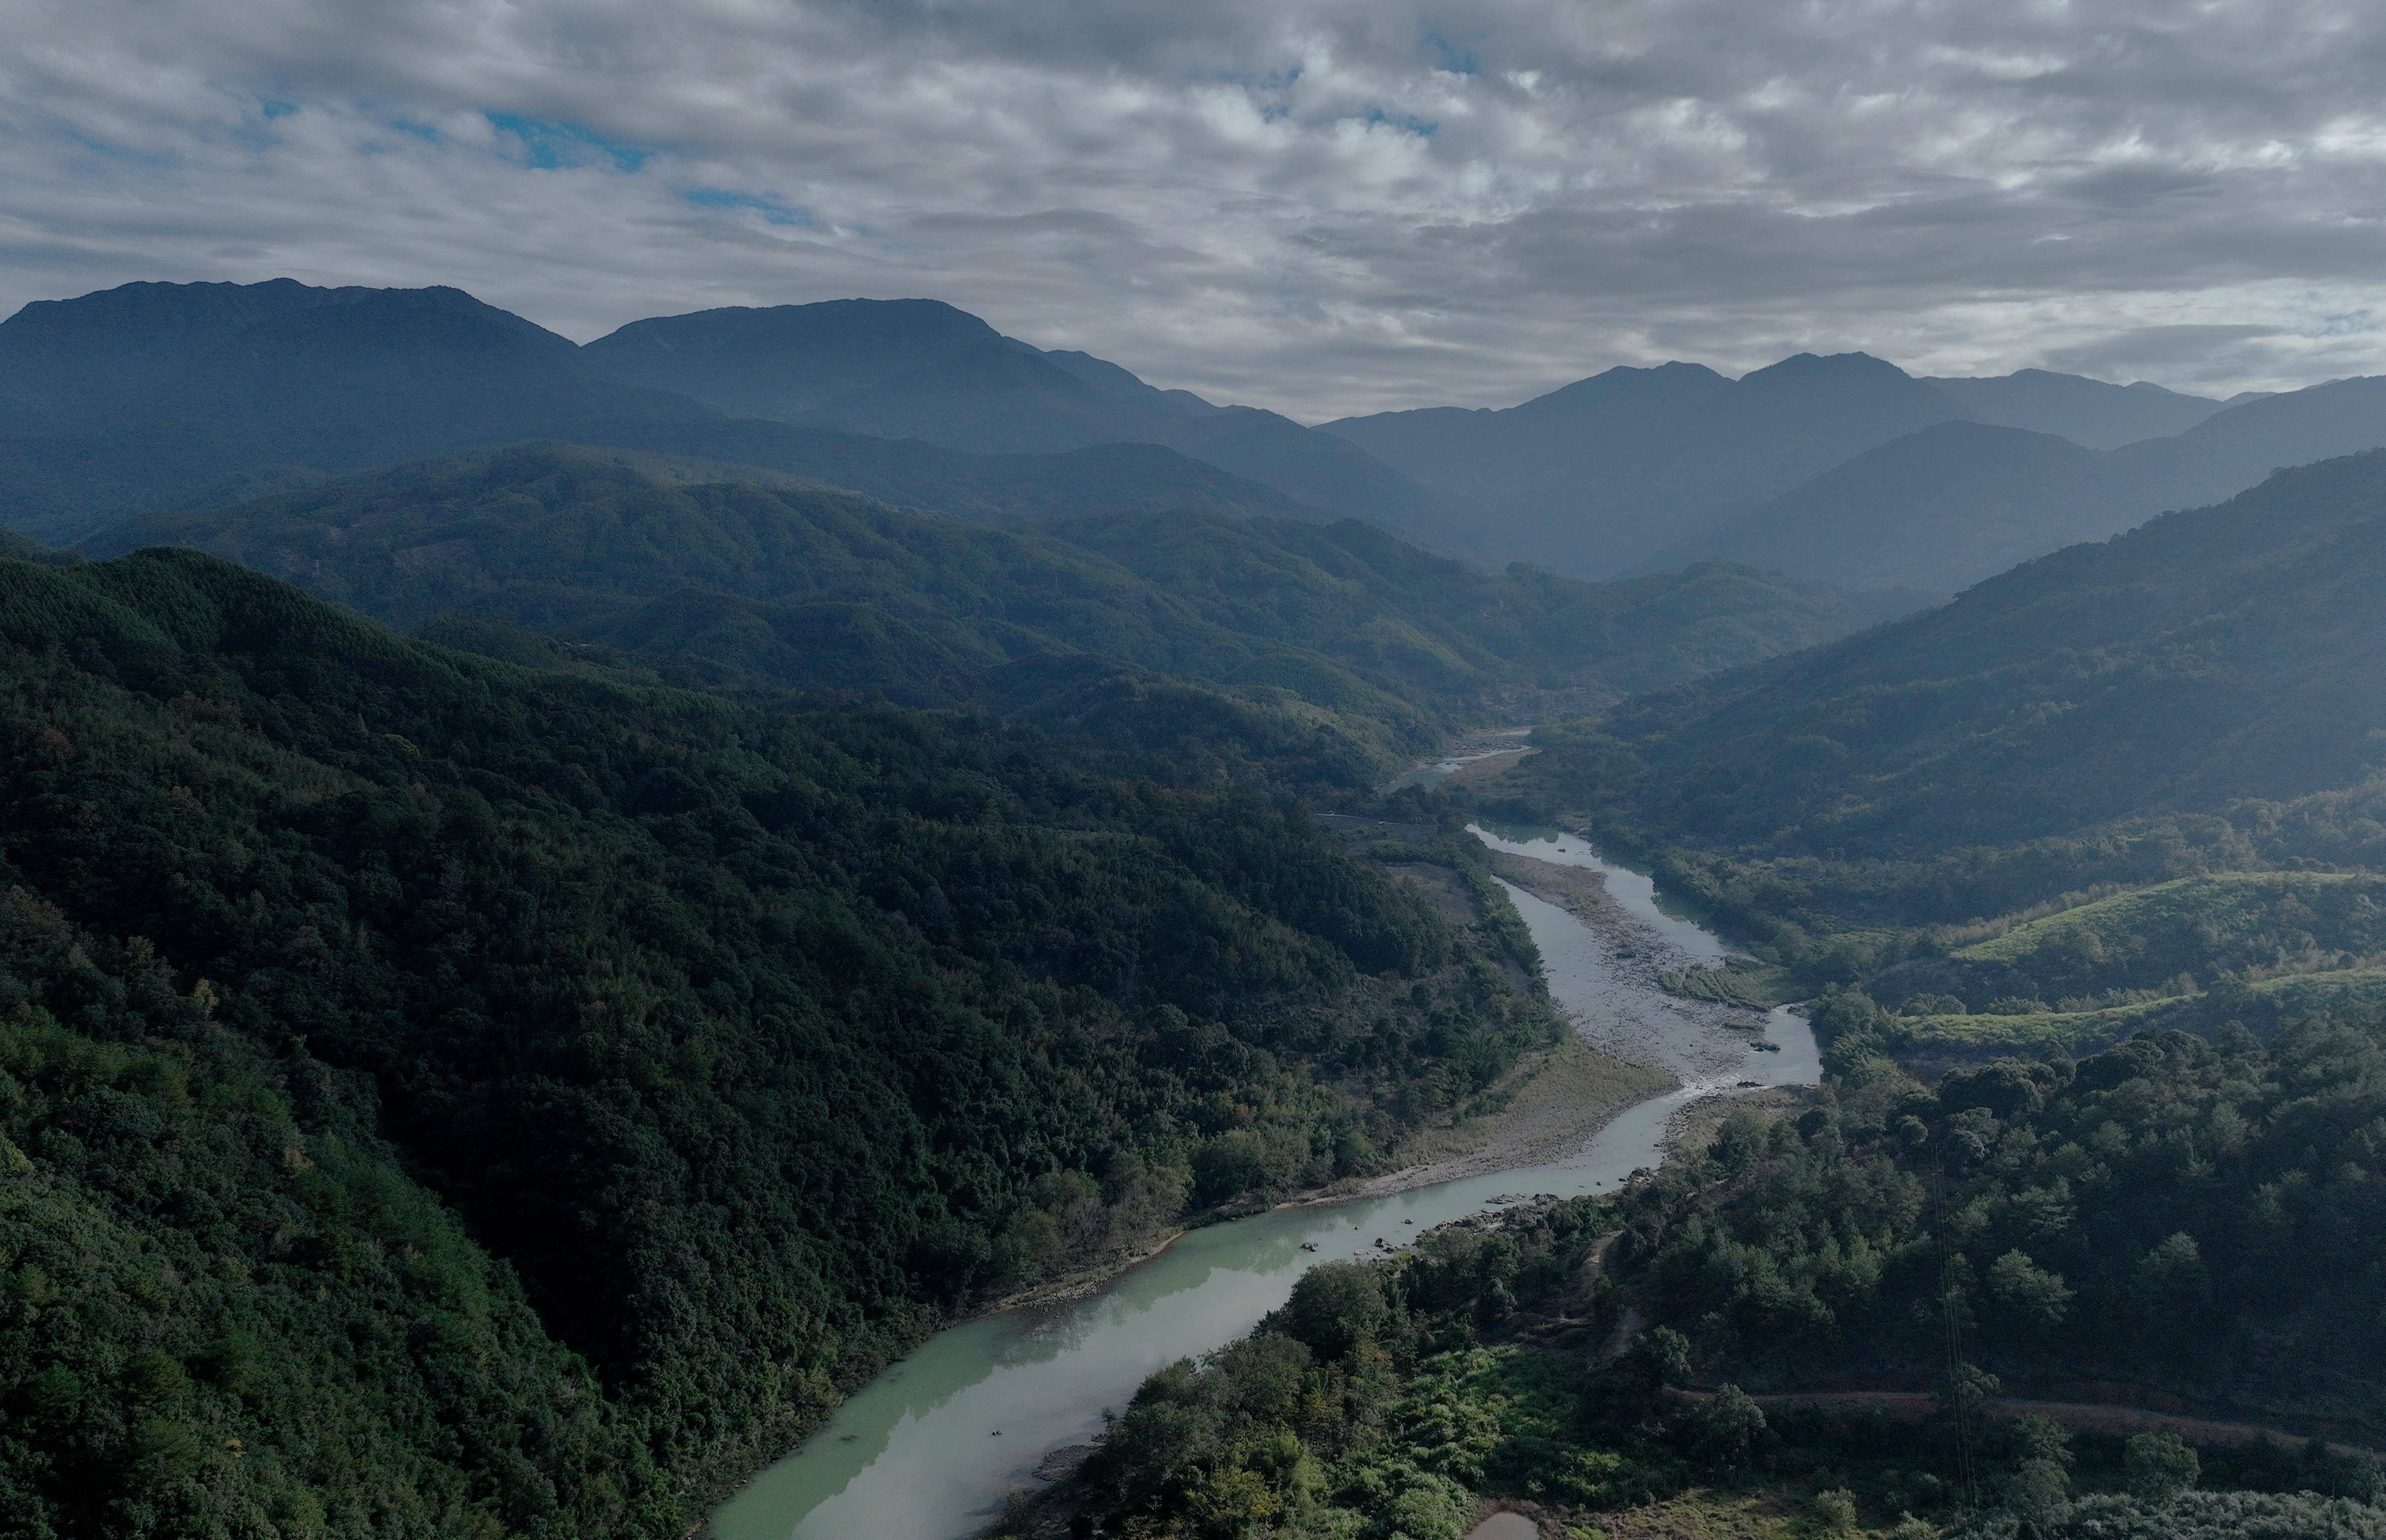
1820	366
1671	382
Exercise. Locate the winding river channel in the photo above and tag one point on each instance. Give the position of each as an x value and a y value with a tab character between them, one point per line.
928	1449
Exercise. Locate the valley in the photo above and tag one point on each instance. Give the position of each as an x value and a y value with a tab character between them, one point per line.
916	1449
809	920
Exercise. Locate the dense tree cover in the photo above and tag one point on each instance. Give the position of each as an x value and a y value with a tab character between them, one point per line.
2120	1219
2152	762
2196	1516
226	1308
2141	943
718	581
2109	1228
752	1041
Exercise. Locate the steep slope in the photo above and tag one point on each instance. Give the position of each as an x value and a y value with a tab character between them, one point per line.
1592	478
1935	511
2222	658
1943	508
2231	450
814	588
2089	412
351	979
315	382
919	369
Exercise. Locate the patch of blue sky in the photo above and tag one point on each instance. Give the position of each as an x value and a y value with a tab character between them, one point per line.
1423	128
275	107
770	209
552	145
1451	56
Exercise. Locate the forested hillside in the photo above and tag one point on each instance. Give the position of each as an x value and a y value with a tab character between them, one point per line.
809	587
526	1100
2209	659
1010	490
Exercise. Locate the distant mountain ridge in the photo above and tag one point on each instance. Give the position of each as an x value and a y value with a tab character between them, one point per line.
200	394
1845	469
1957	502
2089	412
1594	478
921	368
190	396
1841	469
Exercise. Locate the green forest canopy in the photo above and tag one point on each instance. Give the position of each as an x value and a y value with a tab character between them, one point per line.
534	1098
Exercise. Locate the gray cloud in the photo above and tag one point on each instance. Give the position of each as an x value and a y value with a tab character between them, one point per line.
1323	206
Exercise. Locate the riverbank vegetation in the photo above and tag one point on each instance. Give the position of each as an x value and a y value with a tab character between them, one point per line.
529	1098
2101	1230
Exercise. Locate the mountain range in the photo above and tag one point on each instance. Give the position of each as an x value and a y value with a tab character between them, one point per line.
1846	469
1944	507
918	368
186	395
1843	470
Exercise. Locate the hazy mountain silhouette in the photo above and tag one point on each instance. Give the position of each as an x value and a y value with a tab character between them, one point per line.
185	393
64	360
1594	478
2089	412
1943	509
1843	470
2233	651
921	369
190	396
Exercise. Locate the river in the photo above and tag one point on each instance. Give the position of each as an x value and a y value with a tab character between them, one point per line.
927	1450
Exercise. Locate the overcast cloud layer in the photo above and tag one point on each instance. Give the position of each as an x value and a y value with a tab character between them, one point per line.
1322	205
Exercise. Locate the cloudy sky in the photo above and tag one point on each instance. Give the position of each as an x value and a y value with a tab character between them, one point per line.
1320	206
